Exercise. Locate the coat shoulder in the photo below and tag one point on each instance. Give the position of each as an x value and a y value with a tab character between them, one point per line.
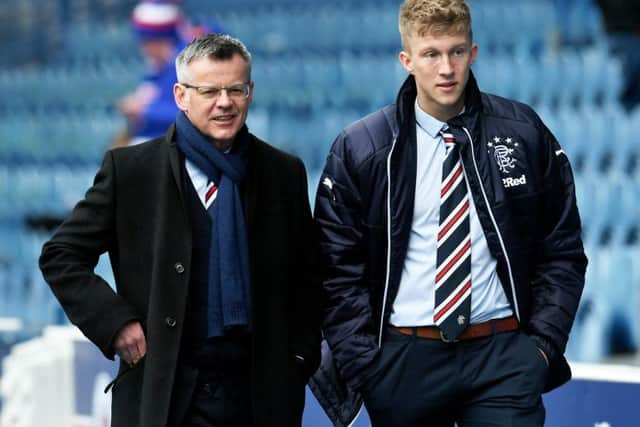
144	151
508	109
367	136
273	155
274	164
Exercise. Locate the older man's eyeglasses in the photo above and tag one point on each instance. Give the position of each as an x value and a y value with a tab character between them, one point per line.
237	92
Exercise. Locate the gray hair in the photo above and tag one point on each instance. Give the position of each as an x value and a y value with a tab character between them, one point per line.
212	46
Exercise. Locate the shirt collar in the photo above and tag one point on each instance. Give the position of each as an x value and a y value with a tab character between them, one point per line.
428	123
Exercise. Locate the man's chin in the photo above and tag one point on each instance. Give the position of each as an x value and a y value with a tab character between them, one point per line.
224	134
222	140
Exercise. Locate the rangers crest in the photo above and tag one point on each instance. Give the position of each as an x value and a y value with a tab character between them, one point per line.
503	149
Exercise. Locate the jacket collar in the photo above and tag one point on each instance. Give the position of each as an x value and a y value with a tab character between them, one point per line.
407	96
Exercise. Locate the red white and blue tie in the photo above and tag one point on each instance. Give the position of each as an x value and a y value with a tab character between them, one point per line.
453	264
210	195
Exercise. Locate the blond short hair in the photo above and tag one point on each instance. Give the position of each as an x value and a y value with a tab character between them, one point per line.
437	17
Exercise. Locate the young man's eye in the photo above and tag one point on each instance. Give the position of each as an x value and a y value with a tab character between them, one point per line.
461	51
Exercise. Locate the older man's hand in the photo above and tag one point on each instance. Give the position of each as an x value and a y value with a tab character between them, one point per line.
131	344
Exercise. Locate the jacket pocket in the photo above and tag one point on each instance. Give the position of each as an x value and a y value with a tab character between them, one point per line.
127	394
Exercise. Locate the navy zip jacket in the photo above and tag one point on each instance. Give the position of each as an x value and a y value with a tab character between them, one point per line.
523	189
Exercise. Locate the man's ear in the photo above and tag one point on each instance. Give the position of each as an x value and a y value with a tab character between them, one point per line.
405	60
250	100
474	52
180	96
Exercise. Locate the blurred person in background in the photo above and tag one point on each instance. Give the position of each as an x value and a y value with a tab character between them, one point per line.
217	305
622	24
163	31
453	262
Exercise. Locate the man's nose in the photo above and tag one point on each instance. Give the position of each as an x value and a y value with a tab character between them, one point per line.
223	100
446	67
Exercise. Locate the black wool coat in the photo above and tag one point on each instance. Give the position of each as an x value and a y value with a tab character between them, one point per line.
136	212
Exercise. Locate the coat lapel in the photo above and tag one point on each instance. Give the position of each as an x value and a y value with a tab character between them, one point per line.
174	160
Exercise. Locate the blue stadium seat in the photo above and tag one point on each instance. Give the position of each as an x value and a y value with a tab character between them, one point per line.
593	59
603	124
630	153
586	187
608	318
571	78
588	339
322	80
623	293
583	23
550	78
99	43
624	147
523	70
613	82
363	85
572	134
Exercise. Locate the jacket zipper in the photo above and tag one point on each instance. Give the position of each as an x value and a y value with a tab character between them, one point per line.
495	225
386	284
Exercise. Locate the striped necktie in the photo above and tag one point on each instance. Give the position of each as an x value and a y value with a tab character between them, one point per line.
210	195
453	264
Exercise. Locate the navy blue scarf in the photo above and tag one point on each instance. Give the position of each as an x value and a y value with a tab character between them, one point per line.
229	302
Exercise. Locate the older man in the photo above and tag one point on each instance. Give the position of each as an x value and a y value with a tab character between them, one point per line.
216	310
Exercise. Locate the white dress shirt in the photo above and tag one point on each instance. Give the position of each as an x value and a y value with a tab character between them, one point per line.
200	182
414	303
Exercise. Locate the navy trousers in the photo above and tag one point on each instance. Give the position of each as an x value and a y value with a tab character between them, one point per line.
213	387
220	401
495	381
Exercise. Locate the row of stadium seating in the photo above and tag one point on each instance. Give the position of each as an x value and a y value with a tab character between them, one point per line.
280	26
341	80
71	138
598	139
274	25
41	190
57	88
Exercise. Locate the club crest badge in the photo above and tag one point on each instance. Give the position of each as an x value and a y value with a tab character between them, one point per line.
503	149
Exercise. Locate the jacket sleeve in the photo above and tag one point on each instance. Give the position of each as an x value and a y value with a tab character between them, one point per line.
69	258
558	280
348	323
307	295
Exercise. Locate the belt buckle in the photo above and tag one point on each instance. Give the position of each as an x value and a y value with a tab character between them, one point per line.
447	340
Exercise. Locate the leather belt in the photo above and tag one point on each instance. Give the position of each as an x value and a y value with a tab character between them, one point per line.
474	330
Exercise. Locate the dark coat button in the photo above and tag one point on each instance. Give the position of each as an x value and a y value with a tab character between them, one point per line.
170	321
179	267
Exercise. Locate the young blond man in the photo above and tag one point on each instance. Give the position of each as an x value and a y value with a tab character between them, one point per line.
451	242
